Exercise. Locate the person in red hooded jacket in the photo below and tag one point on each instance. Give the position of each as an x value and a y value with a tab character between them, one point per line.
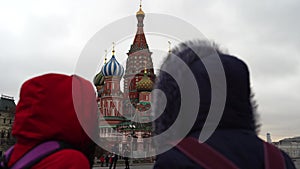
57	107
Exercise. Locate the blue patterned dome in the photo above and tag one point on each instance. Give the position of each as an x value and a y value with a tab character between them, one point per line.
113	68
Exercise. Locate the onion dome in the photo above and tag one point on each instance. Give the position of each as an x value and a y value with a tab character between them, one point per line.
145	84
113	67
99	79
140	12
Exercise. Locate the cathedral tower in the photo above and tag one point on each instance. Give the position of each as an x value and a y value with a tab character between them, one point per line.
138	55
110	97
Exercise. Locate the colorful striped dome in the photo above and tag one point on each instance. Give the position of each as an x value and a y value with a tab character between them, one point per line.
113	68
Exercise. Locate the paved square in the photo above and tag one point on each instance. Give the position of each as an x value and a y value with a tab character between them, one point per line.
148	166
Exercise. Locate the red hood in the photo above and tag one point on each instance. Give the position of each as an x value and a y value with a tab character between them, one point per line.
48	109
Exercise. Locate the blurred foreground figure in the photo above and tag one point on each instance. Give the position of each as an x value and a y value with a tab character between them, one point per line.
60	109
234	139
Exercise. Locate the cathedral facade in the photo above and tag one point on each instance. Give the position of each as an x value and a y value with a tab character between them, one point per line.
125	115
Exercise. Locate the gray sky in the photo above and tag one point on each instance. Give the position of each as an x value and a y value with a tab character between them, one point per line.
48	36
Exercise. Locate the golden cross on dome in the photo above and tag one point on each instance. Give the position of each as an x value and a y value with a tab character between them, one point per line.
140	12
105	59
113	49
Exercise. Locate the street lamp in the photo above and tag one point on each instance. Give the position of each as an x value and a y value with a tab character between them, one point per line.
132	127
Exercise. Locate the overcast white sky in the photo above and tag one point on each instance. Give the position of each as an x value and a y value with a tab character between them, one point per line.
48	36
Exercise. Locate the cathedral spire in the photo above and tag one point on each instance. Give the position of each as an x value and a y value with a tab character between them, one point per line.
138	55
139	42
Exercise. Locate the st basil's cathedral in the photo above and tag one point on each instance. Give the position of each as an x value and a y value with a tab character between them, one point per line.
126	115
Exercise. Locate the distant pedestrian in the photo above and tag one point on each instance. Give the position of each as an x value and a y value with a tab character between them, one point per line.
107	156
126	154
113	161
95	160
115	150
102	160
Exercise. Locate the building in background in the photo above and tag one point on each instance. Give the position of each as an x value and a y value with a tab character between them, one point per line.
7	113
292	147
125	116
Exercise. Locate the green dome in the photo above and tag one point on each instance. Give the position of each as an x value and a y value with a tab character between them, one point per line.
99	79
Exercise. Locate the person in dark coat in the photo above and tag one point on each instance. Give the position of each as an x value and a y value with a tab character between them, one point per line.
235	136
126	153
115	150
107	159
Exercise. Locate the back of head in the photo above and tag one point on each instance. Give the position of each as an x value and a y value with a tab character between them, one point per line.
57	107
237	112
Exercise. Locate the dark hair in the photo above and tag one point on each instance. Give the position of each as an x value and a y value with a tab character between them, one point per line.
237	113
